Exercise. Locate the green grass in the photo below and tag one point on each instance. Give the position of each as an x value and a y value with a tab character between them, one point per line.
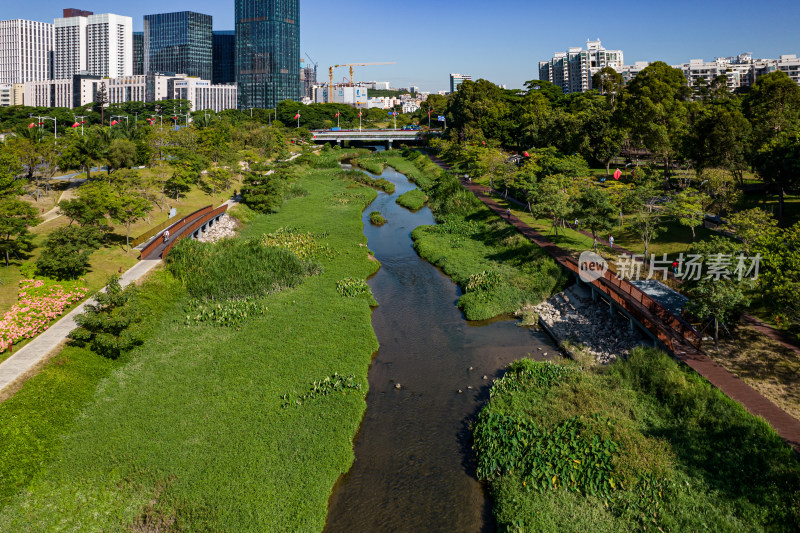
365	179
192	434
413	200
371	162
683	456
32	420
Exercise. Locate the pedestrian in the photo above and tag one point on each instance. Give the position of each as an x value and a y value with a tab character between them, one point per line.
576	223
611	241
508	213
675	267
166	236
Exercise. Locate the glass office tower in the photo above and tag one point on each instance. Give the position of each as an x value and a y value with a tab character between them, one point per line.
224	57
138	53
267	52
179	43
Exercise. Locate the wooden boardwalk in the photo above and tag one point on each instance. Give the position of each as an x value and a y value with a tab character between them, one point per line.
660	325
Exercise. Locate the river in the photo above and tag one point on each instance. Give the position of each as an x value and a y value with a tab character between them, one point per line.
414	467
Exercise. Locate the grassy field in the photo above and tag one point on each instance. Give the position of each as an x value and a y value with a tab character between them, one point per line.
641	445
194	434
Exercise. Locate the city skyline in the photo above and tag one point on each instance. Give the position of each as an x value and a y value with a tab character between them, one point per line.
511	39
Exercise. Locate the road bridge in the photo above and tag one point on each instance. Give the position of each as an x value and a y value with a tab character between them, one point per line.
373	136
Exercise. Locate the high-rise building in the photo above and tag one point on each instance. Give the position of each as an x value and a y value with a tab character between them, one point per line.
138	53
308	79
456	80
99	44
573	70
72	12
224	57
178	42
267	52
26	49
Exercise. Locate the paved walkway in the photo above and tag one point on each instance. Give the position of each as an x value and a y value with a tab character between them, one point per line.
783	423
27	359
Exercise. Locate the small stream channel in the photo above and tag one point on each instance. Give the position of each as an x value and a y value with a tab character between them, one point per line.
413	467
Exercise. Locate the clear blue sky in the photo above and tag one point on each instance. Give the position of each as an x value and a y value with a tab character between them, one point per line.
502	41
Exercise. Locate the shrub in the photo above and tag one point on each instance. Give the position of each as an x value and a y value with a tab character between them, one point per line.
483	281
67	250
352	287
303	245
378	183
329	385
376	218
263	193
228	313
235	268
105	325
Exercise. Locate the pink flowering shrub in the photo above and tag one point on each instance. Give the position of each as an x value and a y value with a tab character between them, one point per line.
39	303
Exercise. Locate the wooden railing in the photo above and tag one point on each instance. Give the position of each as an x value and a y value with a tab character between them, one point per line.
147	250
194	226
144	237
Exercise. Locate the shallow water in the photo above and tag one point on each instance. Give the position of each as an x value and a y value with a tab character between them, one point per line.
413	467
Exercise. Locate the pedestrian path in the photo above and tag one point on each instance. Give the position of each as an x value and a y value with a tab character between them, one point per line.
754	402
27	359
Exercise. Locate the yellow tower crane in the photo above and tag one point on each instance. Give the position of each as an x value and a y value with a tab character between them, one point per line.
351	65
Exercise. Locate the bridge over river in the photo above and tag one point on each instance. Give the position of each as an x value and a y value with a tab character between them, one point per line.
373	136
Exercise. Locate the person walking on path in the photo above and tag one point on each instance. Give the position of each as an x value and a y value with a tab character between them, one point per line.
508	213
611	241
166	236
576	223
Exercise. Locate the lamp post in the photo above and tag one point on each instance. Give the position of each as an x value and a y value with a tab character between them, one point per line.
161	117
55	124
82	121
120	116
186	115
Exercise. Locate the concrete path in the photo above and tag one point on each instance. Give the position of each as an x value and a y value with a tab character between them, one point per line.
27	359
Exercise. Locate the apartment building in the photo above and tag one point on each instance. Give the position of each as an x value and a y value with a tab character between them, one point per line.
456	80
26	51
203	95
573	70
99	44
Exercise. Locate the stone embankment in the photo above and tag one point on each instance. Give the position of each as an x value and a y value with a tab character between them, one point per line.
587	330
223	229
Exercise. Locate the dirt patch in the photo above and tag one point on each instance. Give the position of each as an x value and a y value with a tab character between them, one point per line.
154	517
764	364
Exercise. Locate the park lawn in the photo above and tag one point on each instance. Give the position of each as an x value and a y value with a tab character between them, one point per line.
33	419
641	445
192	435
49	199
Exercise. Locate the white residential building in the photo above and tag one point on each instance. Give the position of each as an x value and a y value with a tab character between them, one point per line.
573	70
26	49
456	80
6	94
49	93
100	44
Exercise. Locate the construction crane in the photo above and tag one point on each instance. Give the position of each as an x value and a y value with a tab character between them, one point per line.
351	65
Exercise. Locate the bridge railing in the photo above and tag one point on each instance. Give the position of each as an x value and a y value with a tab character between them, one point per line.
194	226
150	248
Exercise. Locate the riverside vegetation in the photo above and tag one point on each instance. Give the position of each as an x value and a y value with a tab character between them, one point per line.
642	444
188	431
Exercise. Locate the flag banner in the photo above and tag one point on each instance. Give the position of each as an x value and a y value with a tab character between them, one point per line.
441	118
297	116
75	125
527	154
32	125
336	115
617	174
359	114
114	122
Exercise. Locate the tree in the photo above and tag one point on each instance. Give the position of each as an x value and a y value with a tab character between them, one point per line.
717	298
121	154
82	211
780	252
550	198
106	324
67	250
646	220
689	208
127	209
778	163
773	106
15	218
10	167
263	193
82	151
609	82
751	225
595	211
654	110
720	138
101	98
218	178
720	185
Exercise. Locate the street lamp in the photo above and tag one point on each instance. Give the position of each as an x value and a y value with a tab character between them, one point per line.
120	116
159	116
82	122
176	115
55	124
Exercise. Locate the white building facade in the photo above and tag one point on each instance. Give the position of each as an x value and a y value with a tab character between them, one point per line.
99	44
26	49
573	70
203	95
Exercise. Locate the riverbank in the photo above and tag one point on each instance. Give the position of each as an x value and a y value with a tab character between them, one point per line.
644	445
193	430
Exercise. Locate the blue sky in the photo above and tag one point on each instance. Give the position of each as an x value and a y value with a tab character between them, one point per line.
501	41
